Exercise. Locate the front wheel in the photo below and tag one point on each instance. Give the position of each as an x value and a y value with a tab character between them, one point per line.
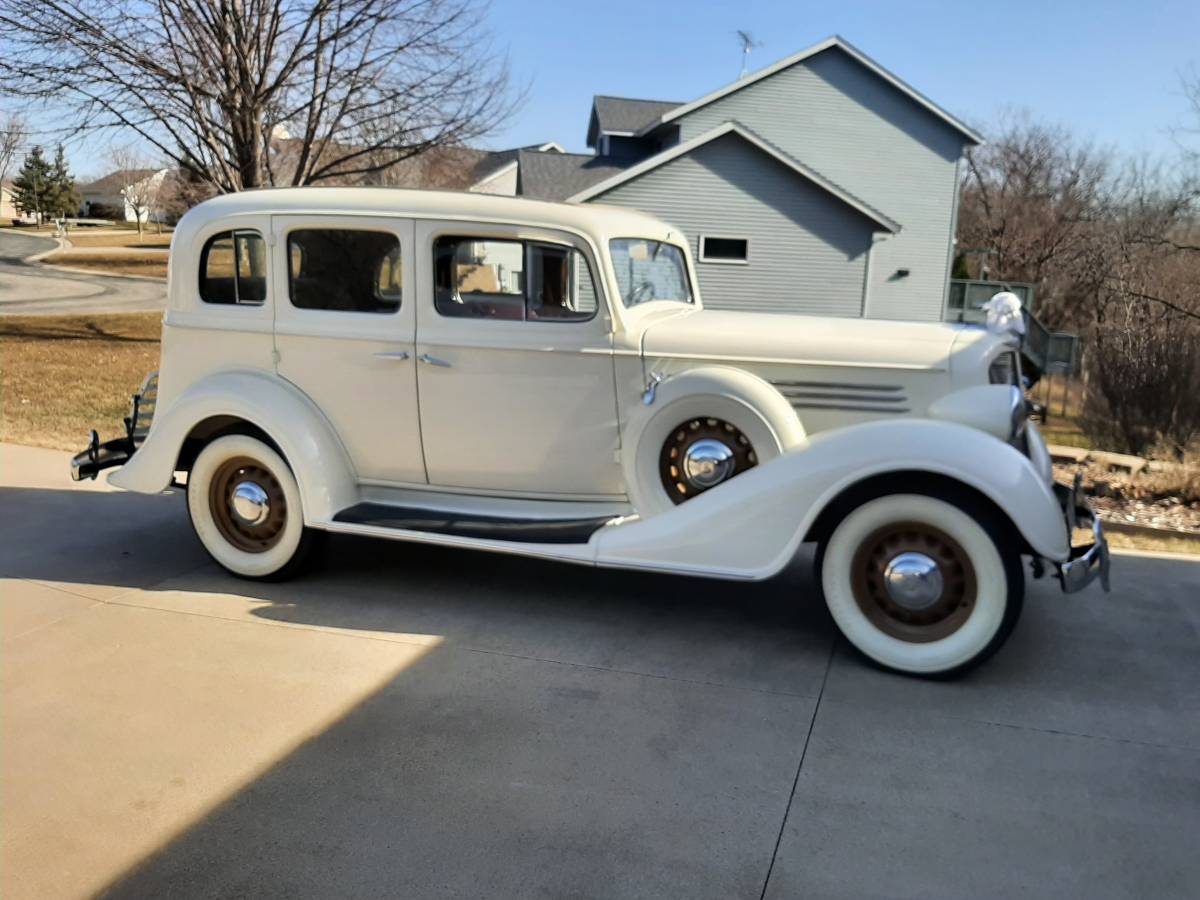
245	506
919	586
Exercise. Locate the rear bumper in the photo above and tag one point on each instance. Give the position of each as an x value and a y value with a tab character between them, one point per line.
1089	561
88	463
97	457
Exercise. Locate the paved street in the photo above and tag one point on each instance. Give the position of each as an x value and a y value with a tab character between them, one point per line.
28	288
412	722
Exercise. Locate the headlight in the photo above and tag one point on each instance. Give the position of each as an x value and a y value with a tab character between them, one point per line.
994	408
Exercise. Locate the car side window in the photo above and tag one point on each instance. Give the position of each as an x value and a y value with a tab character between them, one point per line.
344	270
233	268
512	280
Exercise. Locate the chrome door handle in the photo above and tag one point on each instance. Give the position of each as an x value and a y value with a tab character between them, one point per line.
392	354
433	361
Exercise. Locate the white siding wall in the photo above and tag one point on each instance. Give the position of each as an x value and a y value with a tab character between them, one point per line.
807	248
836	116
503	182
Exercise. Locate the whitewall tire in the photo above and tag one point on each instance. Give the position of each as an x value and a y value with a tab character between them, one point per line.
245	507
918	585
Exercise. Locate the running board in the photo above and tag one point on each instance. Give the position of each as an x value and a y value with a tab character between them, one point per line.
472	525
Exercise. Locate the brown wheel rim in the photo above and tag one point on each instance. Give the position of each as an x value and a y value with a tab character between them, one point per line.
914	582
248	505
701	453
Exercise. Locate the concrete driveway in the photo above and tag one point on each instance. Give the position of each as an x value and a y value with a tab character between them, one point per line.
30	288
411	722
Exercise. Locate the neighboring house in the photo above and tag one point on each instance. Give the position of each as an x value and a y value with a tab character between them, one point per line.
105	198
820	184
8	209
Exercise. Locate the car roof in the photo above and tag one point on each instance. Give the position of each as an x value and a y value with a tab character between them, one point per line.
597	219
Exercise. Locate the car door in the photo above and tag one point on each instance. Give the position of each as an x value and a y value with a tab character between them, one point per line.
514	362
345	324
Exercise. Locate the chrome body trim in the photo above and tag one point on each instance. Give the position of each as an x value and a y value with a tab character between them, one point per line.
851	407
832	395
835	385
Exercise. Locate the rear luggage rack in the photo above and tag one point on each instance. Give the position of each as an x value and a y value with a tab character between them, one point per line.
91	461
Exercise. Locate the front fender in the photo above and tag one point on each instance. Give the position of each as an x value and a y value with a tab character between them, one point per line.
317	458
752	526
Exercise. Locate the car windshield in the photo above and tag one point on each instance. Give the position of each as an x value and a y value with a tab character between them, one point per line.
649	270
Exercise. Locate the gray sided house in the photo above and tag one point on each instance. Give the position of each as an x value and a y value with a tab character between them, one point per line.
822	184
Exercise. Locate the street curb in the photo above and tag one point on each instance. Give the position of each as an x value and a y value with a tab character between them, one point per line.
37	257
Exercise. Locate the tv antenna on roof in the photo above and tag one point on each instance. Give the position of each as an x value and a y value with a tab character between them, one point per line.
748	44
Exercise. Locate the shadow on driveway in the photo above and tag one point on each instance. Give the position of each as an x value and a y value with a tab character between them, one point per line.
589	733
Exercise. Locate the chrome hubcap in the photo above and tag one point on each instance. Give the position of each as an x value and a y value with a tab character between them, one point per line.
913	581
250	502
707	463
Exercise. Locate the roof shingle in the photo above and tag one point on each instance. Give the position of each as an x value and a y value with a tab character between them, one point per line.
556	176
624	114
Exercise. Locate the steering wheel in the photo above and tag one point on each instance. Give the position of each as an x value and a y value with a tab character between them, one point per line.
645	288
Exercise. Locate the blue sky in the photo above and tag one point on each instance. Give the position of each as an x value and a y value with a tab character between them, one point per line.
1108	70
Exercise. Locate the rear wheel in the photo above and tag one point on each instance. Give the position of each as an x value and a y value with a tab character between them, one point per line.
920	586
245	507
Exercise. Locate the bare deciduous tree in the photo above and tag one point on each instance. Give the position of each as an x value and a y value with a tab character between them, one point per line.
1113	248
244	93
12	134
1032	197
141	182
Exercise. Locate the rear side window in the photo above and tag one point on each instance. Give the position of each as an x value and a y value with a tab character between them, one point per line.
344	270
233	268
512	280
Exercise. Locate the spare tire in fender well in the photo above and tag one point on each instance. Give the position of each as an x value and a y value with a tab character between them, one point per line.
733	395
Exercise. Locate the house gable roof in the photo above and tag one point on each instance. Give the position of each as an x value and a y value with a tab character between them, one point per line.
623	116
556	176
498	163
115	182
826	184
830	42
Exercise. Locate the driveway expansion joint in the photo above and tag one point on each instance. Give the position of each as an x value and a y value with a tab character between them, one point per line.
799	766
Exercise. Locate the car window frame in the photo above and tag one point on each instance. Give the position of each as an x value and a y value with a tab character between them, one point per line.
233	231
523	236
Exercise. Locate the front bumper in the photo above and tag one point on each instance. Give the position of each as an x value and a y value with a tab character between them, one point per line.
1089	561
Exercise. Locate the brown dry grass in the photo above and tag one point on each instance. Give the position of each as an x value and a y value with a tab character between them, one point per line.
150	264
1165	543
119	239
61	376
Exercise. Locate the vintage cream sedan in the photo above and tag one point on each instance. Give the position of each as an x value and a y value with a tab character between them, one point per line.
543	379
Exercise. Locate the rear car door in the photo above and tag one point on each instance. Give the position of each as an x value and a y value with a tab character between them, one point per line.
344	334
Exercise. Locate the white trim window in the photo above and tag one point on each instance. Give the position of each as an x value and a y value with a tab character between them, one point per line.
723	249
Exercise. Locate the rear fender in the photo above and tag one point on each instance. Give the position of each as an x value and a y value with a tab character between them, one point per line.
308	443
751	526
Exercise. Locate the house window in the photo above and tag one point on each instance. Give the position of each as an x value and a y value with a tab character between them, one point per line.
512	280
233	268
724	249
344	270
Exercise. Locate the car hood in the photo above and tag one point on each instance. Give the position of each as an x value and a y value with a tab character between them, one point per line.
768	337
